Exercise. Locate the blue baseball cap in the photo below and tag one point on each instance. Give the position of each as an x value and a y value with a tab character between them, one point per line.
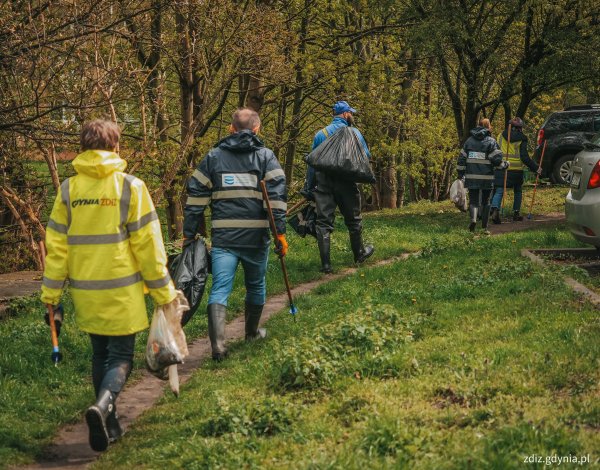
342	107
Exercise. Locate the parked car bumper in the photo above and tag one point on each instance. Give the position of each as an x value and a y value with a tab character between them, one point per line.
582	214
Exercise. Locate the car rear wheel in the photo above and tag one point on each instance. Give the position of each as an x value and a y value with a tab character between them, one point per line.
561	173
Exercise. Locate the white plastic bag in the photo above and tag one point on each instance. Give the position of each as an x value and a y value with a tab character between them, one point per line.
166	340
458	195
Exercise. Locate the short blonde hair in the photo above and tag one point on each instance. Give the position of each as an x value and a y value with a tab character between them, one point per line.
485	122
100	135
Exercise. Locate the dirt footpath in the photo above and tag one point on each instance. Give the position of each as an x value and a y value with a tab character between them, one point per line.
20	284
536	221
70	450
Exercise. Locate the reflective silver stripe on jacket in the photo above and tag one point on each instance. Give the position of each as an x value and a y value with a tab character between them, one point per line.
60	228
158	283
240	223
66	199
125	201
107	283
480	177
52	284
463	153
202	178
478	161
494	153
144	220
269	175
237	193
197	201
97	239
277	205
461	167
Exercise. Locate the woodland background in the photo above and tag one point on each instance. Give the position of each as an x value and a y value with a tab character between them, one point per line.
172	72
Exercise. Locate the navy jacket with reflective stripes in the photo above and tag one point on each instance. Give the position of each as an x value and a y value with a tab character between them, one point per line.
478	158
228	179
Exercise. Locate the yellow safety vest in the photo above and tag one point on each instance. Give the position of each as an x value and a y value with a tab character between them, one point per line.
104	237
512	153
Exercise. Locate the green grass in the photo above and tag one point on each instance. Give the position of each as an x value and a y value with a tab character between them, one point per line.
465	356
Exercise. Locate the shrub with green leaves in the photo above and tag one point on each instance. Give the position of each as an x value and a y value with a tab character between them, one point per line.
265	418
364	342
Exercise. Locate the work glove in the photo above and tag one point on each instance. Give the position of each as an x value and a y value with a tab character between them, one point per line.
58	317
539	171
504	165
281	245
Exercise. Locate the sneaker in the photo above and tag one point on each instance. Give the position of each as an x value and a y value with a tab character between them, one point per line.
517	217
472	226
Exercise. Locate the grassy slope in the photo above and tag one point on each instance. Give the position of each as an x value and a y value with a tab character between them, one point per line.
492	370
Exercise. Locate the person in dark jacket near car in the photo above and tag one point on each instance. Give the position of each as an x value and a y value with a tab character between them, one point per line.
516	154
330	192
478	158
228	179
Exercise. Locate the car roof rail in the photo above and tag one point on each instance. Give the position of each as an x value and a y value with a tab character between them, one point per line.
582	107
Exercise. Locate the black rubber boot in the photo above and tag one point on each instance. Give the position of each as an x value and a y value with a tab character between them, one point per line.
217	315
496	216
360	251
485	217
96	416
115	431
517	217
324	242
253	314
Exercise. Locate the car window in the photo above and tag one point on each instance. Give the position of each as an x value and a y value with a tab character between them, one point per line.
570	122
596	122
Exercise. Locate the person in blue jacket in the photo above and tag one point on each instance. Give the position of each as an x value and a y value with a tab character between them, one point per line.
329	192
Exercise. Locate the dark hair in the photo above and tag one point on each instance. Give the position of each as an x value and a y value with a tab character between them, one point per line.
245	118
100	135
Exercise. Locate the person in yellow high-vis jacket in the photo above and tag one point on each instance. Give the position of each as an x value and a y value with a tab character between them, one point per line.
514	148
105	239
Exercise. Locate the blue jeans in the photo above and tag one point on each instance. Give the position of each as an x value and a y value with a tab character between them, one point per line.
497	199
224	264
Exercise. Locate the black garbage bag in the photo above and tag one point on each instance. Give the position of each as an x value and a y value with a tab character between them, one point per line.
189	271
305	222
342	154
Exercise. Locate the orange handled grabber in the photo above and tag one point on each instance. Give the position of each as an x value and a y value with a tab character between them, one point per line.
537	178
56	354
263	187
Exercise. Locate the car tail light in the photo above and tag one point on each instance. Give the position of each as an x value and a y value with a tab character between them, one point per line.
594	181
540	137
589	231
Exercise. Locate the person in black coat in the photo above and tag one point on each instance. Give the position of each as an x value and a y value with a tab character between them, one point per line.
478	158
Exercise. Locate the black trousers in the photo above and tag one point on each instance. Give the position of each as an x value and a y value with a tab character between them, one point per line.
332	193
112	361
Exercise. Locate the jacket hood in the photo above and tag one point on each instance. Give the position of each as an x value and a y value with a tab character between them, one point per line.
243	141
480	133
515	135
98	163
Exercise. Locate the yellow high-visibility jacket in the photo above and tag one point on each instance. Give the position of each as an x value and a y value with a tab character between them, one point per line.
104	236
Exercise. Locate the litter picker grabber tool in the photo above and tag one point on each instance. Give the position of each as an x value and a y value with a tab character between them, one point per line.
263	187
296	206
506	170
56	355
537	178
